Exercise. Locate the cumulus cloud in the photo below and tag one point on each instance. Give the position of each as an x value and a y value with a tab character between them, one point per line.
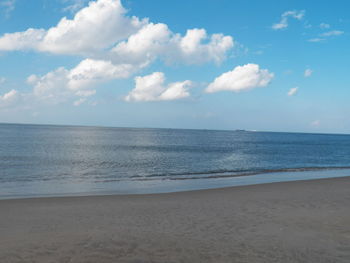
241	78
113	46
9	98
156	40
308	72
90	72
293	91
29	39
192	49
52	86
61	84
152	88
298	15
104	24
93	28
144	45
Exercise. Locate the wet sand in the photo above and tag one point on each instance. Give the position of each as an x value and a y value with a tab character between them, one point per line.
303	221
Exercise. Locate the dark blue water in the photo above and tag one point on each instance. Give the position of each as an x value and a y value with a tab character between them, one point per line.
40	159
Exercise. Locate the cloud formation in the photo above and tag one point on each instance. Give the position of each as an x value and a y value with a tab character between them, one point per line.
104	24
152	88
325	35
61	84
317	39
298	15
156	40
332	33
92	29
292	91
90	72
113	45
241	78
74	5
9	98
79	102
308	72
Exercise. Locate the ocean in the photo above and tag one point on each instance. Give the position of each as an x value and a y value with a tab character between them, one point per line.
50	160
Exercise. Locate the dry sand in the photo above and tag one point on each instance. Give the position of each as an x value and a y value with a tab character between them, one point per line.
304	221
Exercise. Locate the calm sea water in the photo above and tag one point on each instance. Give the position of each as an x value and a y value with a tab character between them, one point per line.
40	160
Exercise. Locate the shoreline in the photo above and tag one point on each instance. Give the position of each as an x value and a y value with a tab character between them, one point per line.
139	187
116	195
300	221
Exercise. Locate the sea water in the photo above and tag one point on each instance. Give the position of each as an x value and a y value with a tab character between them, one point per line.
41	160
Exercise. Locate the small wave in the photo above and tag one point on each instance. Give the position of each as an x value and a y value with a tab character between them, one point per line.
267	171
219	174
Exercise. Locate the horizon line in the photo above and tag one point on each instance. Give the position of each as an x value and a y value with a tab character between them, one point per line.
169	128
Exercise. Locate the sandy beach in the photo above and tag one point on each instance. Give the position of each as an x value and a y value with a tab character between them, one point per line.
303	221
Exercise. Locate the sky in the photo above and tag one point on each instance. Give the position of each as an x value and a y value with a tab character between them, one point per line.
199	64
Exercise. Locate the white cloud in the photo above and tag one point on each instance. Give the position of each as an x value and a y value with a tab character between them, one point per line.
79	102
156	40
152	88
12	94
308	72
324	26
8	6
241	78
298	15
51	88
9	98
74	5
2	80
293	91
93	28
61	84
90	72
316	40
324	35
104	24
332	33
113	46
29	39
176	90
85	93
192	49
144	45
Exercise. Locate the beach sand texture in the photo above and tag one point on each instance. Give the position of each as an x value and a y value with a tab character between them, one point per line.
304	221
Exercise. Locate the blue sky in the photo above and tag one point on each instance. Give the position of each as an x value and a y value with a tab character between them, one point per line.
275	65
